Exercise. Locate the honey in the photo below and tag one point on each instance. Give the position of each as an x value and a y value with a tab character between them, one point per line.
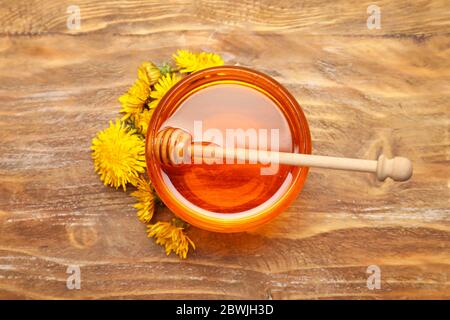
229	196
228	187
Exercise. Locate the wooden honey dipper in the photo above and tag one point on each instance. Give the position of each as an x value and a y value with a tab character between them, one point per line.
174	146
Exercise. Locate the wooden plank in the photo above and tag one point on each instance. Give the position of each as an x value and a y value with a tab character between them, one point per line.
141	17
363	96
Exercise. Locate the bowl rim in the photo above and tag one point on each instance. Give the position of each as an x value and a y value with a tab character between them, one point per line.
229	222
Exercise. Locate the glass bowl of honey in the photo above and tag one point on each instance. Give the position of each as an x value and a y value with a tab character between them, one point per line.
238	107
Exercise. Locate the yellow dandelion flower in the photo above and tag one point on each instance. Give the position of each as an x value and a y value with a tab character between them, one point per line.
161	87
149	73
135	99
146	200
143	119
119	155
171	236
207	60
191	62
185	60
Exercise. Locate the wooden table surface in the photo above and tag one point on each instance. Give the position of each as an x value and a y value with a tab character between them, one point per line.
364	92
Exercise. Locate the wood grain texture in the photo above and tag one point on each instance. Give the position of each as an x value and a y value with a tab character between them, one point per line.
364	92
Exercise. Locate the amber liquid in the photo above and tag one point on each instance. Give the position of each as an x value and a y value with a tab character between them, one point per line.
229	188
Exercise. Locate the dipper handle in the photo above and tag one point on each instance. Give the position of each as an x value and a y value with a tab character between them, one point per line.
397	168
